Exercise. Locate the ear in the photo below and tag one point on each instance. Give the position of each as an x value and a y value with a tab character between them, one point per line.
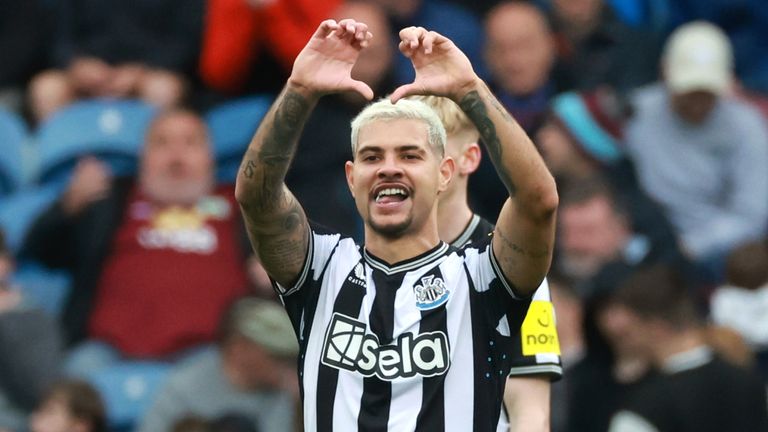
470	159
348	166
447	169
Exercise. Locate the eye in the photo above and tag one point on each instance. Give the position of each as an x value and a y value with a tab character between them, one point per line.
370	158
411	156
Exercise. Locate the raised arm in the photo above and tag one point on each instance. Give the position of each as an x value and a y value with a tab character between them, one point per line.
276	223
525	229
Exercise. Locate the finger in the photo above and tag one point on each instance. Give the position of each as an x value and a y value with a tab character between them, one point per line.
365	42
429	41
405	48
341	30
361	30
359	87
347	26
421	34
410	35
325	29
405	90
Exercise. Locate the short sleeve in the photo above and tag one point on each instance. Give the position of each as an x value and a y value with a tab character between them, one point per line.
319	250
485	268
536	348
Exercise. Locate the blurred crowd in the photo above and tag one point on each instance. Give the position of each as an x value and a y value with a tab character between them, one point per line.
129	295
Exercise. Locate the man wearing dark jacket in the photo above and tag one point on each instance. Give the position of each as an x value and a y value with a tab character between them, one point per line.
154	261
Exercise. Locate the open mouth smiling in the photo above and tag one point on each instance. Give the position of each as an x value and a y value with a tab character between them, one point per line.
388	194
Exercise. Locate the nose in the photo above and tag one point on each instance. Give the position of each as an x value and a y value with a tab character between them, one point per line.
389	168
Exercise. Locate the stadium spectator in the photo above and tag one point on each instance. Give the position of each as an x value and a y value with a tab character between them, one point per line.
609	363
30	347
70	406
695	390
583	134
583	138
123	48
250	45
251	373
595	48
744	21
520	54
445	17
155	259
698	152
595	229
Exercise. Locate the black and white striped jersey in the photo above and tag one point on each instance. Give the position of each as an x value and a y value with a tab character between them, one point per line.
536	351
420	345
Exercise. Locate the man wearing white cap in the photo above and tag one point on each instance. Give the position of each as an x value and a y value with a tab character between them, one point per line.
251	375
699	152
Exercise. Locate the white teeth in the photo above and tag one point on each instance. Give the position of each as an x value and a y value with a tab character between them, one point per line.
390	191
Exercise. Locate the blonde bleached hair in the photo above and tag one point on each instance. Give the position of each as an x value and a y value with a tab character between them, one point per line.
453	118
405	109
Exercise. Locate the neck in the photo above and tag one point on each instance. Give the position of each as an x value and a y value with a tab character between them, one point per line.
676	343
401	248
453	215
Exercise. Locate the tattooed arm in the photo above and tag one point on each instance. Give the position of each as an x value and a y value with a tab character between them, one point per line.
525	228
276	223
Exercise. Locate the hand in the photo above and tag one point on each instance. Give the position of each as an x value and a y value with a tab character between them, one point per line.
325	64
124	80
90	182
441	68
90	75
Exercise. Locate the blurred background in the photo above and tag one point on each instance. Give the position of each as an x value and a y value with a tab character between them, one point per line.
129	297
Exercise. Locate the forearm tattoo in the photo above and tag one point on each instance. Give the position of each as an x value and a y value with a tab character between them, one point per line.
475	108
273	216
273	156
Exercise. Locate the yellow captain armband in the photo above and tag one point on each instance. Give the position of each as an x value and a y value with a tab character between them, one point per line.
538	332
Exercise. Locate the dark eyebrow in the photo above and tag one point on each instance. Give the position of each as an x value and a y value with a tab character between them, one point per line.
406	148
374	149
400	149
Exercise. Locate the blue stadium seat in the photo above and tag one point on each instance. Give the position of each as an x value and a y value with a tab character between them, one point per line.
232	125
13	137
19	211
112	130
128	390
42	287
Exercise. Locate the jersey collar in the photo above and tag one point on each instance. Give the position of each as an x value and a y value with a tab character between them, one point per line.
406	265
466	235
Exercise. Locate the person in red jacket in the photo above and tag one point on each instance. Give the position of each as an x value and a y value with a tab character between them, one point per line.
238	32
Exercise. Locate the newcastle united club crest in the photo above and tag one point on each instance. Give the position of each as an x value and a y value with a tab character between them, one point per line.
431	293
